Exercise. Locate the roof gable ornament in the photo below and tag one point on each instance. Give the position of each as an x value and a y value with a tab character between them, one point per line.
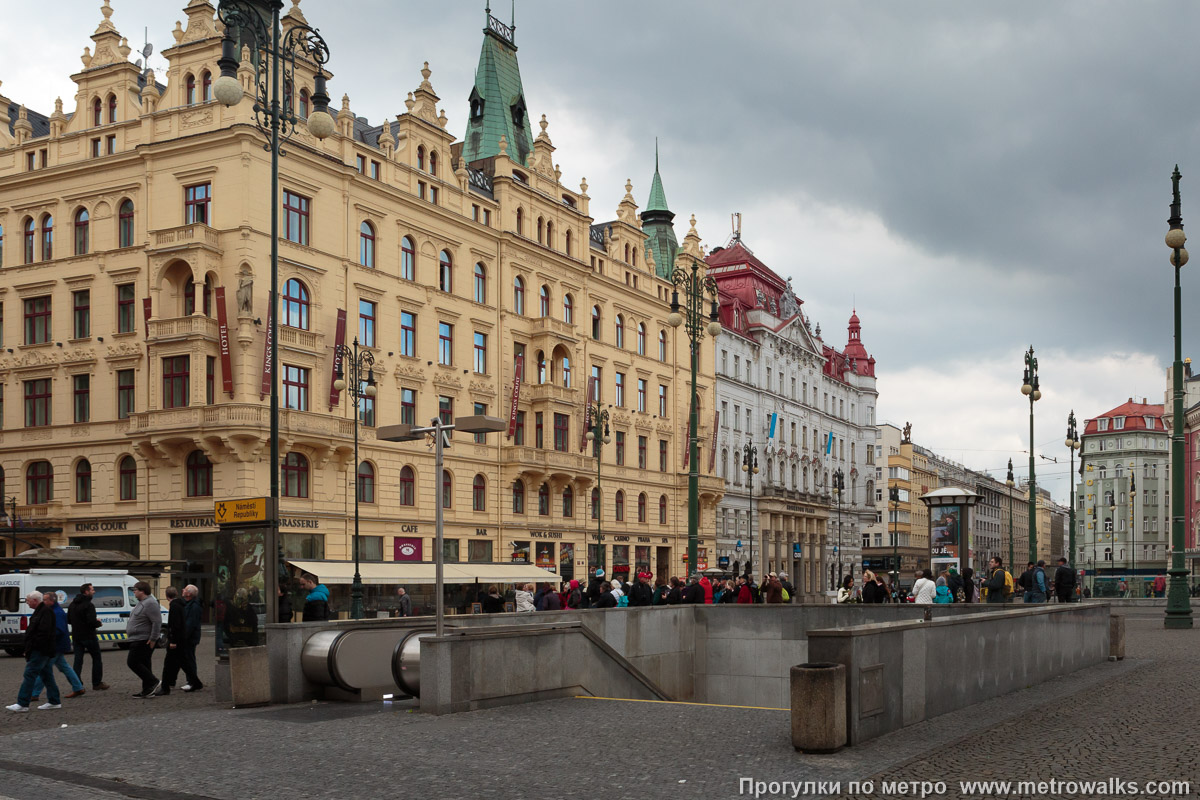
200	23
691	242
424	99
627	208
110	47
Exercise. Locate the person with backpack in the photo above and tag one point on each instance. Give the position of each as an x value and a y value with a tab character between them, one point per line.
789	591
574	598
1039	588
941	594
998	582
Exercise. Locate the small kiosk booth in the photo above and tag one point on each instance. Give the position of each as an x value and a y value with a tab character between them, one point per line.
949	528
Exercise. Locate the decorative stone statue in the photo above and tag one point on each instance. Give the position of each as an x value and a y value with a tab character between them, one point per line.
907	433
245	293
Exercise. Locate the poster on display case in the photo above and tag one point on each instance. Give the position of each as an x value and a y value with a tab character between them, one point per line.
945	533
545	555
240	597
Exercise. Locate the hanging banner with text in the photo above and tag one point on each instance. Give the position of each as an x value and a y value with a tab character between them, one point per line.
587	414
268	367
687	445
223	334
712	452
518	371
339	340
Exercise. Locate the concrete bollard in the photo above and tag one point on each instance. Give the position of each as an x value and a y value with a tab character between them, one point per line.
1116	637
818	707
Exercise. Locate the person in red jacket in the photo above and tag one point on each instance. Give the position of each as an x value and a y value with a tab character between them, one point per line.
706	585
743	592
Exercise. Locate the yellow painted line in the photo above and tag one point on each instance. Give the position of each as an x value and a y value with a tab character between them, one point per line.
676	703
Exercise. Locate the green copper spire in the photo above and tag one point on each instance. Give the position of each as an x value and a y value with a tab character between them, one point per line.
656	224
498	99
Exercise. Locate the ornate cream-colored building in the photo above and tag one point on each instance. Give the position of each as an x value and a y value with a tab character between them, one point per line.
136	240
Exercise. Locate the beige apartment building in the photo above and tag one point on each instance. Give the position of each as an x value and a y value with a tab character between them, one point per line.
135	275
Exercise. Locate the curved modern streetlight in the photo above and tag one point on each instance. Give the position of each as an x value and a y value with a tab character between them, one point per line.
359	388
1029	387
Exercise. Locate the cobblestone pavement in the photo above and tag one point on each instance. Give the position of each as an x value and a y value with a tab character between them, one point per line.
1110	720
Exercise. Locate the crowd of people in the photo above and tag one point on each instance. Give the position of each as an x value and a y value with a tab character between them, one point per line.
53	633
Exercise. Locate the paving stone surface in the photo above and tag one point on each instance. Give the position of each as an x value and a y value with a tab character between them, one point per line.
1111	720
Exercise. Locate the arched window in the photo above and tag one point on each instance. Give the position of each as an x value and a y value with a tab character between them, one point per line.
1	245
544	301
566	371
568	502
125	224
662	345
480	283
519	295
568	309
662	510
421	157
366	483
295	304
128	478
408	489
39	483
304	104
620	506
621	330
642	507
408	259
635	256
366	244
518	496
479	494
445	272
83	481
595	504
206	86
112	107
550	235
199	475
433	163
97	112
540	230
47	237
189	96
596	322
568	243
544	500
520	222
81	232
541	367
295	475
641	338
626	254
30	233
447	489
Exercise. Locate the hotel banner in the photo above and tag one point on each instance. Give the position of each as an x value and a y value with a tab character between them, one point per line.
712	452
223	333
268	367
587	414
518	371
339	340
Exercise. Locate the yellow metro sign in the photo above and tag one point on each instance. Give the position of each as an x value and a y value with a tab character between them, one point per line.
237	512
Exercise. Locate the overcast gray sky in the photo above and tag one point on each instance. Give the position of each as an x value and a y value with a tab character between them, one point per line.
973	177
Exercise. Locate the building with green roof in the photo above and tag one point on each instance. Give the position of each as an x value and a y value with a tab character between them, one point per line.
498	99
657	225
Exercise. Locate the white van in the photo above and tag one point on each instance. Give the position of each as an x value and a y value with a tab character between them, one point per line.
114	600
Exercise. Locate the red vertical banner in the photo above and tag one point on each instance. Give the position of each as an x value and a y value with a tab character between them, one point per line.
687	445
268	367
146	314
339	339
223	334
712	453
518	371
587	414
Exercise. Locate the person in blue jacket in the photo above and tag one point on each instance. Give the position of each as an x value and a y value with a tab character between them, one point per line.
942	594
316	602
62	646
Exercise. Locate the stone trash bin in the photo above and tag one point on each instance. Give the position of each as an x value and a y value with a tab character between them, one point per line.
818	707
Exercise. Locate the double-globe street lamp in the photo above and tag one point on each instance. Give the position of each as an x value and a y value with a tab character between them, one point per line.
274	52
1030	388
750	467
352	362
1179	605
690	314
1011	484
894	498
598	434
1073	443
839	485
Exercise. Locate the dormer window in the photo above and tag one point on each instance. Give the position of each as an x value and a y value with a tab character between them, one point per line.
518	112
1102	424
1149	420
476	105
1118	423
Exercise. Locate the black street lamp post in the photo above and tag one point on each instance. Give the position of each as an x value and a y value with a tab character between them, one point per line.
839	485
894	498
599	436
1073	443
255	23
750	467
690	314
1030	387
1179	604
351	362
1011	484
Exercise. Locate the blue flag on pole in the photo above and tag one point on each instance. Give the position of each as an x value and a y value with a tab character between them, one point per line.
774	417
828	443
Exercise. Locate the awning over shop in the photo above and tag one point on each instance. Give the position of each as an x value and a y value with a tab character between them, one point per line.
401	572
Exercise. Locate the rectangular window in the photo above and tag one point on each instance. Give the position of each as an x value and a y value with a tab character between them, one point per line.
366	323
110	144
125	396
662	455
360	164
538	426
295	217
37	403
519	429
641	452
662	401
446	411
37	320
620	398
82	314
408	406
598	383
487	217
175	381
421	189
197	203
366	406
620	441
126	311
480	438
445	343
479	551
408	334
474	212
96	147
433	194
295	387
82	385
641	395
737	417
562	426
375	169
480	353
210	379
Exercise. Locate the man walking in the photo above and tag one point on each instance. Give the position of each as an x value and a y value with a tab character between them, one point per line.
1025	581
145	624
1038	588
405	601
81	615
997	581
316	599
191	638
39	657
1064	582
175	637
62	646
